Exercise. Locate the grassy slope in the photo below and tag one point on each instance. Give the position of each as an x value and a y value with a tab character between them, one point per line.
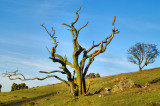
58	93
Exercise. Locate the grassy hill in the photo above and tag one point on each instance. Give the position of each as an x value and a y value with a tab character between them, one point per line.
57	94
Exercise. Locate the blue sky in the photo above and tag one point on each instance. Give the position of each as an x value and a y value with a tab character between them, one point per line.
23	41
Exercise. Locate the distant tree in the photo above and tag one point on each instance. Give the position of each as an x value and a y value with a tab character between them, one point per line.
142	54
80	66
92	75
0	87
21	86
87	77
97	75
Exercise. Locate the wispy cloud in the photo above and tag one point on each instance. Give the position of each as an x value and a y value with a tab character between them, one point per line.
19	60
40	7
115	61
139	24
30	66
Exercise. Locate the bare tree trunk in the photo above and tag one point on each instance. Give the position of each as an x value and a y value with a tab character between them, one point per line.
79	83
84	84
72	88
140	69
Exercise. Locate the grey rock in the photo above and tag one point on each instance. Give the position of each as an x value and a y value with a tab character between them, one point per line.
127	83
108	89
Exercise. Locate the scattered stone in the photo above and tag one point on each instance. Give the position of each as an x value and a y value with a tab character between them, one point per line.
101	95
147	84
107	89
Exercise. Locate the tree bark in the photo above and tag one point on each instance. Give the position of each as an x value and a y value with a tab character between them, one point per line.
79	82
84	84
72	88
140	69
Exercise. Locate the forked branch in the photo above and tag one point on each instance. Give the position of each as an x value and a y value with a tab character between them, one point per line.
102	47
56	57
62	72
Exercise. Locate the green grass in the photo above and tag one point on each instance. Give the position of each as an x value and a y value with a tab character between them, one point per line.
57	94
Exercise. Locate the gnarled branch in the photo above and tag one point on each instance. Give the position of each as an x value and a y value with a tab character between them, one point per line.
76	17
52	72
56	57
102	45
82	27
11	74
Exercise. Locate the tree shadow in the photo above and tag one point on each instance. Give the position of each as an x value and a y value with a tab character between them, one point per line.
96	92
24	100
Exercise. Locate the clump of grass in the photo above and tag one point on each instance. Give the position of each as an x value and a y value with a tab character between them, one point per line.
15	96
117	79
32	103
48	99
2	104
24	97
89	102
152	104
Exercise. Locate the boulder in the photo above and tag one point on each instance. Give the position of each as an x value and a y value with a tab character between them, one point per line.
127	83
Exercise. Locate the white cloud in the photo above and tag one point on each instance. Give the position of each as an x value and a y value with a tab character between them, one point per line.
19	60
30	66
115	61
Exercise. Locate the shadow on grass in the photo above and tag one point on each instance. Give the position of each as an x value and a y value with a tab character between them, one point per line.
155	80
25	100
96	92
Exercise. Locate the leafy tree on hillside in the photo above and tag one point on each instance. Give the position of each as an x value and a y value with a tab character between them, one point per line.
142	54
97	75
80	66
93	75
21	86
90	75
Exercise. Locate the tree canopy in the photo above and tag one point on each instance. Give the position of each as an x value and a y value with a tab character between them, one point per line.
142	54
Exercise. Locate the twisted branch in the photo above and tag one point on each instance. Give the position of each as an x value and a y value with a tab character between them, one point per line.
56	57
52	72
11	74
102	45
76	17
82	27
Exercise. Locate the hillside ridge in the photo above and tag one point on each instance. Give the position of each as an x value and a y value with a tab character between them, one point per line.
57	94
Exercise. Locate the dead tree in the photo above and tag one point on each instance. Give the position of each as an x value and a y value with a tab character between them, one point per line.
80	69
